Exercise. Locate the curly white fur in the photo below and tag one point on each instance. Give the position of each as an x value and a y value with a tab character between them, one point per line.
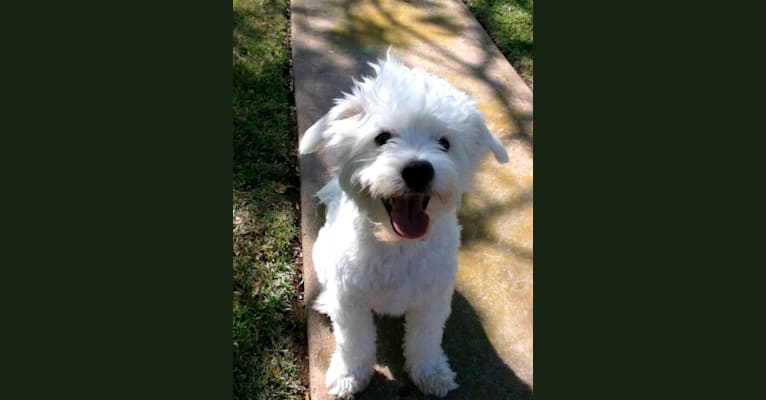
363	264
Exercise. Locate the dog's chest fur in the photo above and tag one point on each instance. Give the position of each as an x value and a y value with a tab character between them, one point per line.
356	268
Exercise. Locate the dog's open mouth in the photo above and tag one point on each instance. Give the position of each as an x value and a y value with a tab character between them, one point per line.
408	215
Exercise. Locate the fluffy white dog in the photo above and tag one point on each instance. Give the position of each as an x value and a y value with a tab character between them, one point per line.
404	145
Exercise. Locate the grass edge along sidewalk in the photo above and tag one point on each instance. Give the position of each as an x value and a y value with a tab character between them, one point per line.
509	24
268	333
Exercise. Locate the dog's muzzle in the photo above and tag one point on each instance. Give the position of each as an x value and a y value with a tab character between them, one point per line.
408	212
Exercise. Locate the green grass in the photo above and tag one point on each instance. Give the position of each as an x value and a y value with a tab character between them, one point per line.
268	334
509	24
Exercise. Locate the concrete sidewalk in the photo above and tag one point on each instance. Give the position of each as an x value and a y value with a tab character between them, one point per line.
488	337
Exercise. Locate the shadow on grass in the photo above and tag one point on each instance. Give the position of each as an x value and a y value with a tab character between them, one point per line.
264	134
268	329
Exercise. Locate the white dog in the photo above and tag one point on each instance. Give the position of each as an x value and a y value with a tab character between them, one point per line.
404	145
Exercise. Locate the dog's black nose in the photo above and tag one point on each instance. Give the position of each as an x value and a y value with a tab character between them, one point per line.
418	174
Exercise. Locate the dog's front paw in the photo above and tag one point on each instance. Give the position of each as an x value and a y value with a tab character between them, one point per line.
434	376
342	382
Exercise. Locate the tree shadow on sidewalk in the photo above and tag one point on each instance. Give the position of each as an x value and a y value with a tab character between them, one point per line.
481	373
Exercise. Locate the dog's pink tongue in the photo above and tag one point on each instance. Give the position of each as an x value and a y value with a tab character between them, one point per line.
409	218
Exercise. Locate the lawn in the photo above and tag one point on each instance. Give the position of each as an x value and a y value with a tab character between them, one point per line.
268	333
509	24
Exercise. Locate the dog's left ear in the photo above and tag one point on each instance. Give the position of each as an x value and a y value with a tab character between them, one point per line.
497	148
322	132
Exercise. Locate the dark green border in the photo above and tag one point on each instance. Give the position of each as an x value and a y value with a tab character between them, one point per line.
120	124
117	177
642	148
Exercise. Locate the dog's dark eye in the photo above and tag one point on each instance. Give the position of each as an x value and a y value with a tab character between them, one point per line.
382	138
444	143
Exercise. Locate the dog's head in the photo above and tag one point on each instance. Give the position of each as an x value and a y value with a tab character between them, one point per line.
404	145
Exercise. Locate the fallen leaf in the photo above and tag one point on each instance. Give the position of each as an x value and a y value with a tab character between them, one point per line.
280	188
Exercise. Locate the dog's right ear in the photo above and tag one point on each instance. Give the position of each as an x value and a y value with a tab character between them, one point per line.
314	137
322	132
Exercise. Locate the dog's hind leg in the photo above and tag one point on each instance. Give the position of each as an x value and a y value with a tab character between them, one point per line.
351	366
426	362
